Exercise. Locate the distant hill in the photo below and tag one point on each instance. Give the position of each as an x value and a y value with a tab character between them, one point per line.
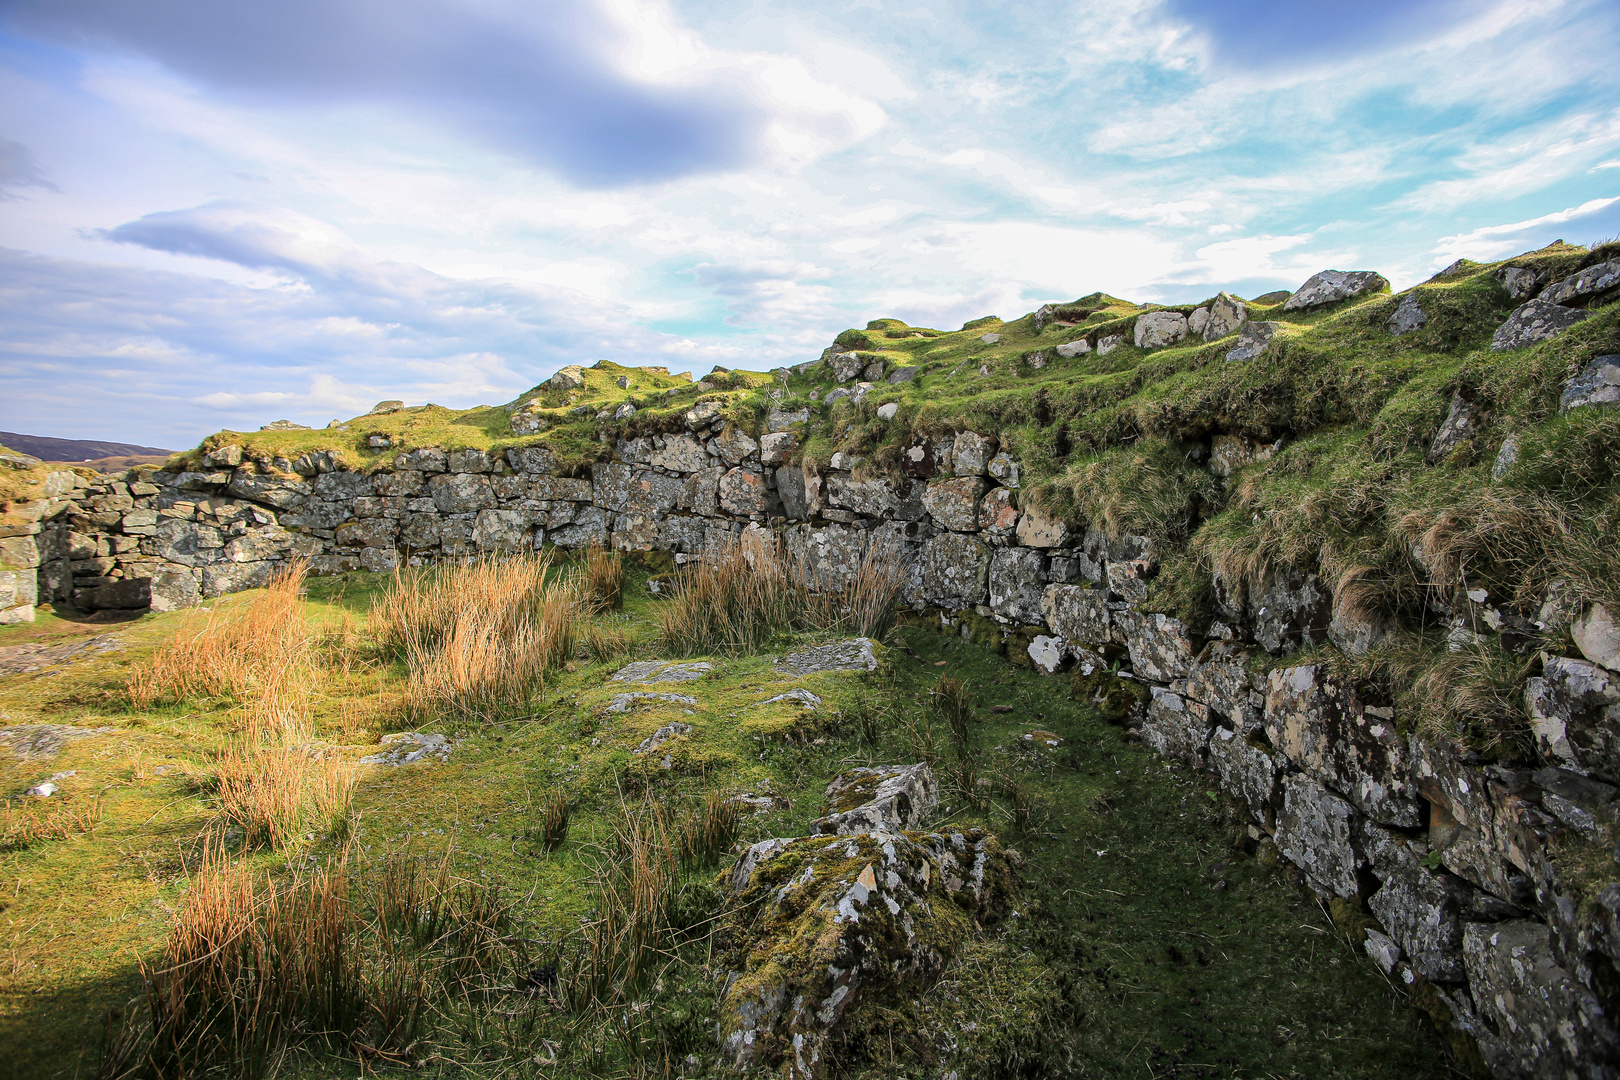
75	450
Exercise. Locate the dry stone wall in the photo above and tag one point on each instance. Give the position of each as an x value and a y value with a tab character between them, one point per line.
1467	867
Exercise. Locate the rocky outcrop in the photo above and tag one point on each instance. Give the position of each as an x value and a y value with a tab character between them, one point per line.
864	910
1533	323
1332	286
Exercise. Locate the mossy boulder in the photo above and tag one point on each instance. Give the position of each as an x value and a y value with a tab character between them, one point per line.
823	928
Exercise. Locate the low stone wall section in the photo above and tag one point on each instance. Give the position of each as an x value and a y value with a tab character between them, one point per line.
1468	868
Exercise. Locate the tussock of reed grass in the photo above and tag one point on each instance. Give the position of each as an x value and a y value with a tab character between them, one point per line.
709	831
254	966
276	795
624	947
258	656
737	598
478	638
22	826
602	577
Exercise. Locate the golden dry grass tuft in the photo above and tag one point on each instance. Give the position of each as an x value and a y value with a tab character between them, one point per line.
276	795
259	657
25	825
737	597
478	638
602	575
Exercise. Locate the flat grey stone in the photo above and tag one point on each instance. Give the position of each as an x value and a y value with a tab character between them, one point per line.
657	739
1597	384
409	747
1533	323
856	654
804	698
1407	317
662	671
623	703
1331	286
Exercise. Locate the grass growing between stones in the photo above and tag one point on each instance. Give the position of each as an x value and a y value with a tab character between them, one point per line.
482	936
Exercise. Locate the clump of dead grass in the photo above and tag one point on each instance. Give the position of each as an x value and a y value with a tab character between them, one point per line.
24	825
478	638
738	597
276	795
254	966
257	656
602	577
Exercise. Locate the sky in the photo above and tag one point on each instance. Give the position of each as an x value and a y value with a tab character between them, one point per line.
217	213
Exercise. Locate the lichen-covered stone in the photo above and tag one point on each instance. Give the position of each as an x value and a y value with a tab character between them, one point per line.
1314	833
998	515
951	571
1077	614
1293	609
856	654
1246	770
742	492
1583	286
461	493
1161	648
1574	709
1157	329
823	925
1533	323
1222	680
1017	584
1463	819
734	446
885	799
1252	341
1226	314
1323	727
1422	909
1038	529
954	504
1597	384
1331	286
1177	728
1545	1023
971	453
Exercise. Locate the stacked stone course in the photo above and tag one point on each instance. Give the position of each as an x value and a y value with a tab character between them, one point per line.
1464	863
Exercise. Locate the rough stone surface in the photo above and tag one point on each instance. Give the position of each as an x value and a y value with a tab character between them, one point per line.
1581	287
1597	384
1229	453
1323	727
1161	648
1533	323
1574	711
1545	1023
954	503
856	654
1422	909
1176	727
823	921
1072	349
1039	529
886	799
1407	317
662	671
1247	770
952	571
1157	329
623	703
1252	341
971	454
1461	420
1017	584
1077	614
1226	314
1519	282
1597	635
1331	286
1314	833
